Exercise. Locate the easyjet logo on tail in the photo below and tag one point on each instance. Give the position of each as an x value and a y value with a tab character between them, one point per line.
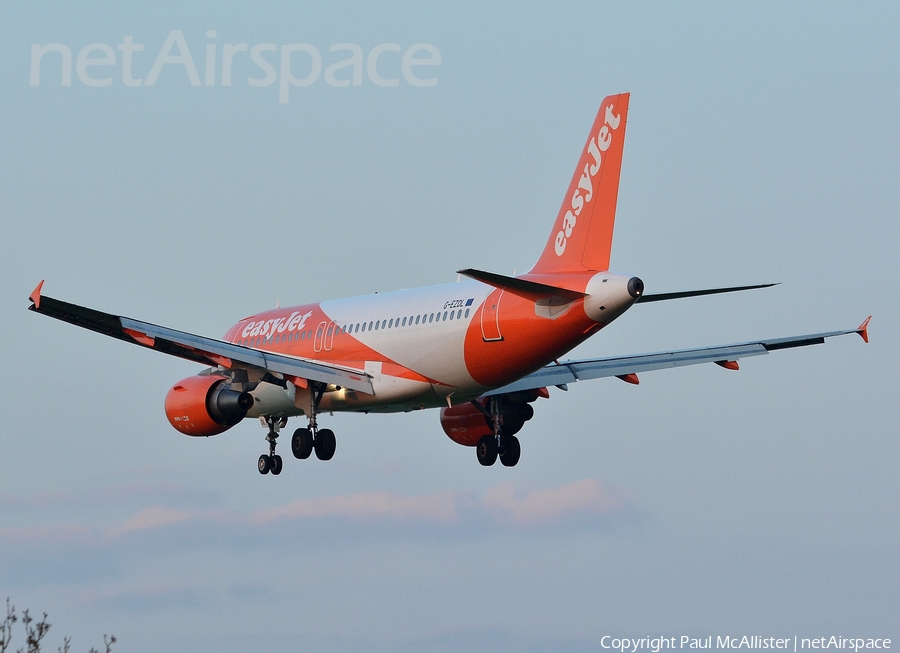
584	192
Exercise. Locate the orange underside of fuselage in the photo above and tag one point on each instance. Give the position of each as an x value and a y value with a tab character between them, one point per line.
528	341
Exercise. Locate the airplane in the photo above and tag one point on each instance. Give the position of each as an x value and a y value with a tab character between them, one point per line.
482	350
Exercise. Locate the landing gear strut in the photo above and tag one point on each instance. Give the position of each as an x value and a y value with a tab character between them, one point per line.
272	462
490	447
312	438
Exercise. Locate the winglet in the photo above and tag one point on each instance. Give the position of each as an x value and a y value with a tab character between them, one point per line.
35	295
863	329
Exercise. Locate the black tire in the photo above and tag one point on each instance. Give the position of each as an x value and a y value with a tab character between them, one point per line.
510	450
325	444
302	444
277	465
486	450
264	464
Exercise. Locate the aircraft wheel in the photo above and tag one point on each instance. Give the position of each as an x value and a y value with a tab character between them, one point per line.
264	464
510	451
486	450
277	464
302	444
325	444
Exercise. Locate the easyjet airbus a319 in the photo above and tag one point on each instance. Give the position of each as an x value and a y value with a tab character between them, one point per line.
482	350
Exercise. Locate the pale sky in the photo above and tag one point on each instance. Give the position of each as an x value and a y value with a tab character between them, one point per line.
762	146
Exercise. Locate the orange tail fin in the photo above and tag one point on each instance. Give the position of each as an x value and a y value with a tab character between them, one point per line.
582	234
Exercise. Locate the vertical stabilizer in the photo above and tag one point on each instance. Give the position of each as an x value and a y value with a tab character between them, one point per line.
582	234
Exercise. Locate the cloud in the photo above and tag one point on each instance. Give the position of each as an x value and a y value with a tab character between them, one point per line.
169	495
152	517
368	506
582	500
502	506
63	551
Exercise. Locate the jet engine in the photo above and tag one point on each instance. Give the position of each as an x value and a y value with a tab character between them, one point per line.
466	423
205	405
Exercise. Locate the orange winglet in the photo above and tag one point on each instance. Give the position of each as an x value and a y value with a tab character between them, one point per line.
35	295
629	378
728	365
863	329
141	338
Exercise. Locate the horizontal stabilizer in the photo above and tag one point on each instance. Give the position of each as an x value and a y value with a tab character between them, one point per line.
529	290
660	297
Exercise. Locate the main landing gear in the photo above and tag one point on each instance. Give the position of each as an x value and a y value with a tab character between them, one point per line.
490	447
304	440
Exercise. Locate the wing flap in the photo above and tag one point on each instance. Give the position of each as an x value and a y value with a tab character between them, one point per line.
208	351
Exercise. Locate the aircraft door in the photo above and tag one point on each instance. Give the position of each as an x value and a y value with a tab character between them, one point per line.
320	337
490	317
329	335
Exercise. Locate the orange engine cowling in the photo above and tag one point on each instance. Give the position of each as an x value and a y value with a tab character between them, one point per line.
466	423
205	405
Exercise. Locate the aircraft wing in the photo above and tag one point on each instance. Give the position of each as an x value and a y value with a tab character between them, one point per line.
208	351
627	367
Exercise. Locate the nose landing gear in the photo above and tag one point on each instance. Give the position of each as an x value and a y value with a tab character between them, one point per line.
272	462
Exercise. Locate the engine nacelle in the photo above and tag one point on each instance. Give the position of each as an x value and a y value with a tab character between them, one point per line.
205	405
465	424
